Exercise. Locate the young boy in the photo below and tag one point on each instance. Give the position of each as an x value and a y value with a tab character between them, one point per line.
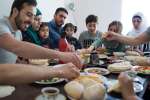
86	38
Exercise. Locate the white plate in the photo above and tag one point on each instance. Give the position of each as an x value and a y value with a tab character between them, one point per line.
138	87
102	71
46	83
6	91
59	97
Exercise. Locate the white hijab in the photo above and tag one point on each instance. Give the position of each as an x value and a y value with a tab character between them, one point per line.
143	26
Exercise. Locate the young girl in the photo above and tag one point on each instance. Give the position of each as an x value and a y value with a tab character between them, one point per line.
70	29
111	46
44	34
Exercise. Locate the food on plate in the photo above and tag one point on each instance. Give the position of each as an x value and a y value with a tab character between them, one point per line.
38	61
74	89
86	87
119	54
138	60
142	69
95	77
132	53
119	67
96	70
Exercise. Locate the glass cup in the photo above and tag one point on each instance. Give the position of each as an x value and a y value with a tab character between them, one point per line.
50	93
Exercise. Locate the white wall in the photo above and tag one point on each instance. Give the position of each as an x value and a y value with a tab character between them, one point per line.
106	10
5	7
48	8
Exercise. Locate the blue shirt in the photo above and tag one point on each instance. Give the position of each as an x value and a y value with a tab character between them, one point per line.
55	34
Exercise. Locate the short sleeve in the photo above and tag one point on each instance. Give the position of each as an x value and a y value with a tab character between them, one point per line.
4	29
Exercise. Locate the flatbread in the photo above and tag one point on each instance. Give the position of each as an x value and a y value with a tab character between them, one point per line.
39	61
132	53
138	60
6	91
120	67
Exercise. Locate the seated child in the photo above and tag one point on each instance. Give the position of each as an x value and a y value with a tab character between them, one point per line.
70	29
64	46
44	35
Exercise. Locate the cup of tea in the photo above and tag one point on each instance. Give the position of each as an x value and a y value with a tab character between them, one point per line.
50	93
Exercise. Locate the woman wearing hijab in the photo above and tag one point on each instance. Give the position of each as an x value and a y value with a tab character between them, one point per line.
139	26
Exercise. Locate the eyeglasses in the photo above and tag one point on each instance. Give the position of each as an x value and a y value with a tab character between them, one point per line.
136	20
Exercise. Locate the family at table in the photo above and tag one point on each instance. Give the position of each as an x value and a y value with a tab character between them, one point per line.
23	36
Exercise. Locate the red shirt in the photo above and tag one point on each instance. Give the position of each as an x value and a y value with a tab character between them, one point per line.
63	45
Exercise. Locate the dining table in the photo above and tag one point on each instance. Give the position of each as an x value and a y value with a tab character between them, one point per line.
31	91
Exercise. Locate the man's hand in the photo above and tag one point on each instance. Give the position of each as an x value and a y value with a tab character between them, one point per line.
126	85
111	36
68	71
70	57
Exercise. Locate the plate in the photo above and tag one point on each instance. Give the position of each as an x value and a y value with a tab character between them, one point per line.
50	81
59	97
96	70
145	70
138	87
6	90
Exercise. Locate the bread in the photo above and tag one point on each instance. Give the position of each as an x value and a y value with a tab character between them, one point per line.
82	88
74	89
132	53
119	67
119	54
87	82
38	61
138	60
94	92
94	77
